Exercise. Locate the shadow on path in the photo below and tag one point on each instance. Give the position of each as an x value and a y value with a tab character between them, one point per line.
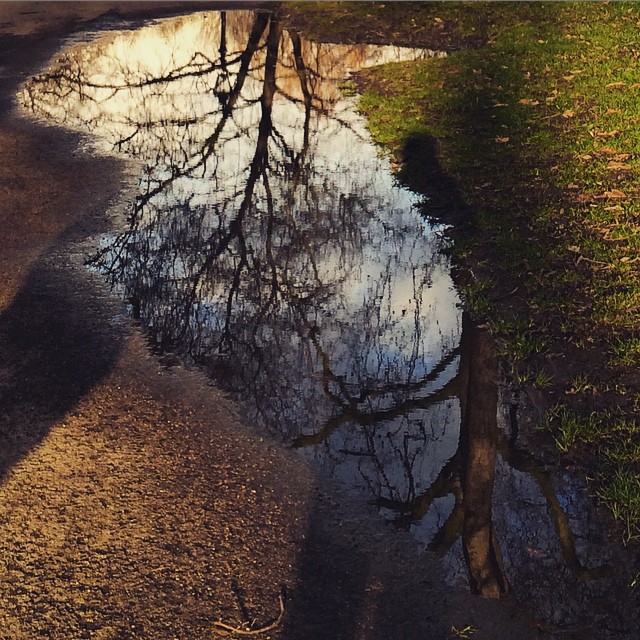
55	348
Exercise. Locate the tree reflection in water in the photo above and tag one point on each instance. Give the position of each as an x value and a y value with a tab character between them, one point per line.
268	240
269	243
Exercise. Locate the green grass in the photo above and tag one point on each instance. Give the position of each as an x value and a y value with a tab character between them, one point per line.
627	352
582	383
622	494
538	378
617	439
568	427
519	338
476	295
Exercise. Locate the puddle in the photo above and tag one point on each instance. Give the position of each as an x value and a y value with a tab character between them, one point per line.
270	244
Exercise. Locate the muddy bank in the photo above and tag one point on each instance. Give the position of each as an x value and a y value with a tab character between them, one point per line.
133	502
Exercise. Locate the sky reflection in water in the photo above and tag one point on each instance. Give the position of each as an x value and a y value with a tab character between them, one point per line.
270	243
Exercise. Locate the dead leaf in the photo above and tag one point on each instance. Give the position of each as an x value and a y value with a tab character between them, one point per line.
615	85
585	156
626	259
611	112
635	85
618	166
568	113
500	104
529	101
501	140
609	151
607	134
574	249
621	157
614	194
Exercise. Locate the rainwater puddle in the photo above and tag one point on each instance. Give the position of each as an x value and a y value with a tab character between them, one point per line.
270	244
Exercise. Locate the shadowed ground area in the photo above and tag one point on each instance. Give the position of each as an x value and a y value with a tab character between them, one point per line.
133	502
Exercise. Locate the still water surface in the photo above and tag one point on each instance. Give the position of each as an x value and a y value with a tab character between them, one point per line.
270	244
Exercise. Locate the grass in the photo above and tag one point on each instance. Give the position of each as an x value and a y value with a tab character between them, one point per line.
617	439
627	352
582	383
476	295
528	138
622	494
568	427
519	338
538	378
464	633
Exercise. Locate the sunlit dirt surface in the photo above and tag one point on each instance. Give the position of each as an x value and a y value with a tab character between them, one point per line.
133	502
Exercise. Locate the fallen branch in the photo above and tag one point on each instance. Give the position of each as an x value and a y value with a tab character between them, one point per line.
252	632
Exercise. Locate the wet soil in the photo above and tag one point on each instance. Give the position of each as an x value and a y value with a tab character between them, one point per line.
133	501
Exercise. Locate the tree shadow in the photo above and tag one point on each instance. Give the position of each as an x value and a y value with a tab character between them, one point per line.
332	580
56	347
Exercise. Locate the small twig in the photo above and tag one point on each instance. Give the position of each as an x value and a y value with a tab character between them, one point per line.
252	632
581	258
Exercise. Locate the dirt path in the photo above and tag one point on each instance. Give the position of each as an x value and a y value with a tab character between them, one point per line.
133	502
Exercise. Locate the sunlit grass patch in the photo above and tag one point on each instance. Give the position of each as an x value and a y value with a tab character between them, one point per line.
619	309
567	426
627	351
475	295
538	378
622	495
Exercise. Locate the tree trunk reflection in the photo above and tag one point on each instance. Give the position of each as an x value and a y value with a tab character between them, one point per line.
479	441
